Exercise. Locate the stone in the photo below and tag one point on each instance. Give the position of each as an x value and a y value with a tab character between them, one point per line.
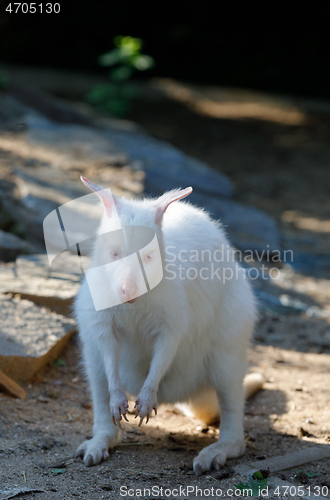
55	108
248	228
30	337
286	304
66	265
313	264
77	141
45	189
7	492
166	167
11	111
32	278
11	246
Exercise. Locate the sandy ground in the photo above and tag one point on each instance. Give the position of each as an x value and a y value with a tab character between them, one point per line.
284	170
40	435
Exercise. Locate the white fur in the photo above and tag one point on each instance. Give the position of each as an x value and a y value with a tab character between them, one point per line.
185	341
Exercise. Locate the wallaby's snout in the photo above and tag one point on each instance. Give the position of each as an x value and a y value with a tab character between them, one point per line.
129	292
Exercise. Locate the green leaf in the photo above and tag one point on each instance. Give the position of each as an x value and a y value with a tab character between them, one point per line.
58	471
110	58
125	59
102	93
60	362
313	474
142	62
129	90
253	486
117	107
122	73
4	81
128	44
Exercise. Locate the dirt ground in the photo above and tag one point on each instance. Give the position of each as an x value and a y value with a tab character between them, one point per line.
283	169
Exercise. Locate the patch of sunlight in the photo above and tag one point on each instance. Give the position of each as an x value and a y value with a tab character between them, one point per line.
232	104
306	223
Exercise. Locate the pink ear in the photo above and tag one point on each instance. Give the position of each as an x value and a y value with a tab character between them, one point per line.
167	198
104	194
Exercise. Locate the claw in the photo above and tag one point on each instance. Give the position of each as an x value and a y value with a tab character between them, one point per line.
79	453
124	415
155	411
89	461
116	421
198	470
140	423
147	418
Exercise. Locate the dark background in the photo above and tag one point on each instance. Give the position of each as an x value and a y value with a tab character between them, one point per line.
265	49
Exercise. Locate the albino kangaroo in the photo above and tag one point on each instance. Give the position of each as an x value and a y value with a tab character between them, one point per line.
184	341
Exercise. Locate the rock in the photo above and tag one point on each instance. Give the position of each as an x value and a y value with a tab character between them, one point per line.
248	228
6	218
11	246
164	179
11	111
166	167
55	108
66	265
311	264
17	491
45	189
285	304
77	141
33	279
30	337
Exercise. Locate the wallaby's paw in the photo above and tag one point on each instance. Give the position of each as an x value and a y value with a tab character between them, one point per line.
118	407
96	449
145	403
215	456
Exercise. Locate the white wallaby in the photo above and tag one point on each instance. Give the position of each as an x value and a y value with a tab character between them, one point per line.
184	341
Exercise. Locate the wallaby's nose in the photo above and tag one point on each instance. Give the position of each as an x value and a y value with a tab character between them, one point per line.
129	292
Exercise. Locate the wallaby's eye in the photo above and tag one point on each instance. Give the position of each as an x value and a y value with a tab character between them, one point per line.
114	254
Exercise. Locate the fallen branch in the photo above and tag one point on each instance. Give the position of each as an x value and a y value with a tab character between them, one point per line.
8	385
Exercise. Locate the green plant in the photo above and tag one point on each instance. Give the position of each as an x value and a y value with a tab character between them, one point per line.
3	81
125	59
257	482
60	362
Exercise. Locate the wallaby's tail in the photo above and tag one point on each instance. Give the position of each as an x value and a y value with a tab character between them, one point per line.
253	383
205	406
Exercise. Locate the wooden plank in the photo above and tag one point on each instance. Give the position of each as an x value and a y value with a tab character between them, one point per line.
287	461
11	387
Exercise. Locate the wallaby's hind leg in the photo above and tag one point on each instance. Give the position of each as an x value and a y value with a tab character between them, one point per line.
227	373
